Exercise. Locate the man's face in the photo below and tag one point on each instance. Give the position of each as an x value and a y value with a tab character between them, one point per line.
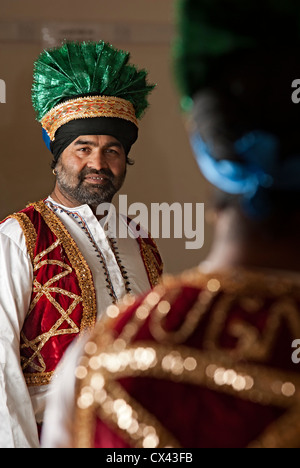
91	169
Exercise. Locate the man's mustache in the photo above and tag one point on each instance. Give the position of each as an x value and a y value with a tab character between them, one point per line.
104	172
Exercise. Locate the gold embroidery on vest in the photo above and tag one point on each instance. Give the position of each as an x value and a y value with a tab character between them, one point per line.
39	342
98	391
192	319
215	369
250	288
152	266
88	298
141	314
29	231
254	347
77	261
148	429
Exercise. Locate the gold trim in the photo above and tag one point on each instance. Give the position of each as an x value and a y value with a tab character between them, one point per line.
88	295
222	370
29	232
239	279
87	107
109	401
99	393
192	319
39	342
147	306
250	289
38	379
144	420
78	263
153	268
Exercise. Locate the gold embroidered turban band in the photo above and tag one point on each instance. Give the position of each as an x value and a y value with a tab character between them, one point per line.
86	108
88	88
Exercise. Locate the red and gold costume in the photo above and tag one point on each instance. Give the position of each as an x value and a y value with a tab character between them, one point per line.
201	361
57	276
63	301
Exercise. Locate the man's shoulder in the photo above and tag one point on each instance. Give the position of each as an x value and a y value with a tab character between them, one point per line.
11	231
29	211
11	226
26	210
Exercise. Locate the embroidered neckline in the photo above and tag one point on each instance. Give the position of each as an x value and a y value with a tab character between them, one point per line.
112	243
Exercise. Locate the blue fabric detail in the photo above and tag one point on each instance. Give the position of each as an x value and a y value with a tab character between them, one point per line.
260	171
46	139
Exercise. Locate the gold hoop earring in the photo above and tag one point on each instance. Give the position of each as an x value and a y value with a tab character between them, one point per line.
54	172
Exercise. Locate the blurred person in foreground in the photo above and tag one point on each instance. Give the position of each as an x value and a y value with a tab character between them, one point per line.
209	358
62	263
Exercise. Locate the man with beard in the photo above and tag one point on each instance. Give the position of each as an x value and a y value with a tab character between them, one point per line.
91	170
207	359
60	268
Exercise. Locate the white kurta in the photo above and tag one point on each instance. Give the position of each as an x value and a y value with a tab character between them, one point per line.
20	408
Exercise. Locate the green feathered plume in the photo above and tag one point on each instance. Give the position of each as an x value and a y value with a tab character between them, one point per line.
85	69
211	30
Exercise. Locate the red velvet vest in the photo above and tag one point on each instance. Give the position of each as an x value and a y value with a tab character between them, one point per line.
63	301
202	361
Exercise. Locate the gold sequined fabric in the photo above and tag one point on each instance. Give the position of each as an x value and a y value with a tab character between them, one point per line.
234	340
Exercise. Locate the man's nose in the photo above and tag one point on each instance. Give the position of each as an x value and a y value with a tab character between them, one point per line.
98	160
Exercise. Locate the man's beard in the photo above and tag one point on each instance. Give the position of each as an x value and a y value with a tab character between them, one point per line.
75	187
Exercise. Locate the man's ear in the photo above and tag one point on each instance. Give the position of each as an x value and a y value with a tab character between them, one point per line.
129	161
